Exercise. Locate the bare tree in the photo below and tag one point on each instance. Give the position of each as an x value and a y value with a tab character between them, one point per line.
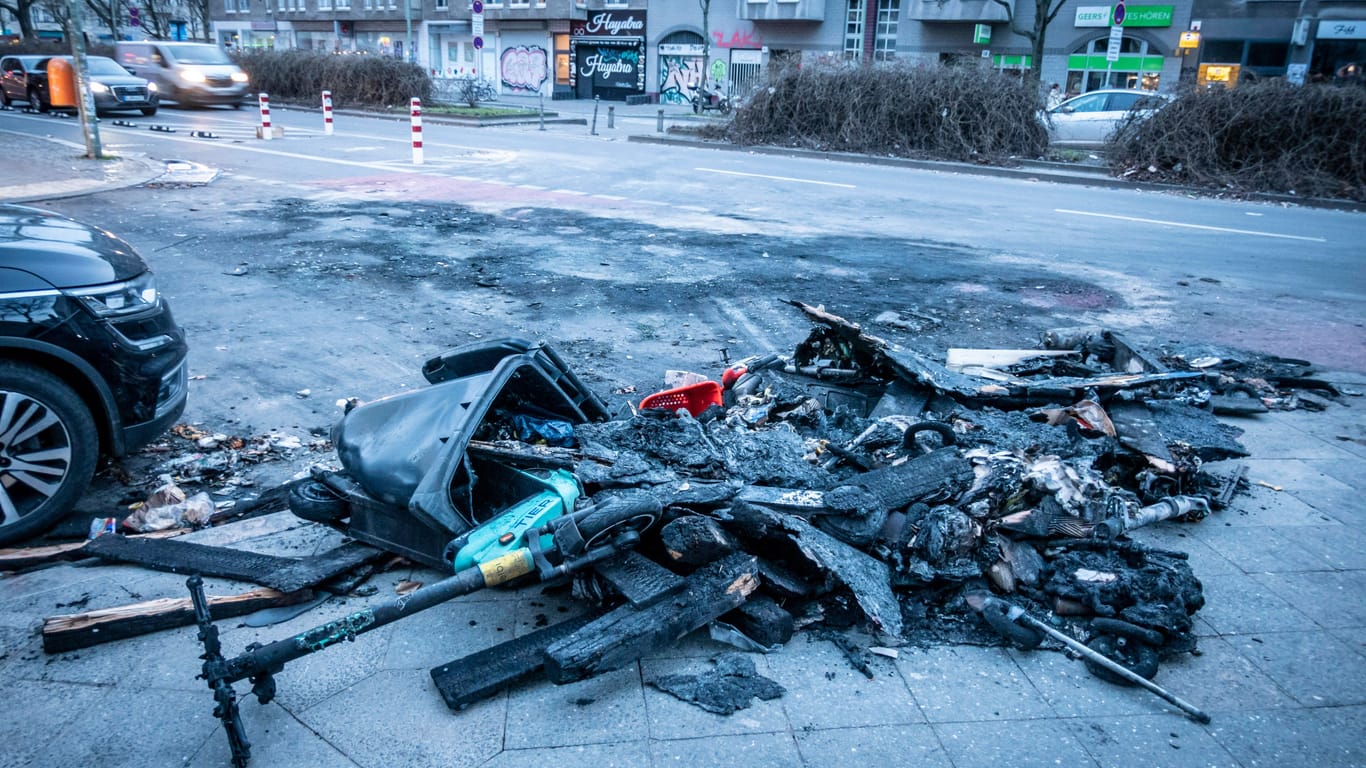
22	10
109	13
157	16
199	18
1044	13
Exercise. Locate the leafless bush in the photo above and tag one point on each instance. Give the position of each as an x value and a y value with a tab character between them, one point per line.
1269	137
948	113
354	80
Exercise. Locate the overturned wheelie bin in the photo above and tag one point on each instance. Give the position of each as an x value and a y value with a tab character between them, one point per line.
408	484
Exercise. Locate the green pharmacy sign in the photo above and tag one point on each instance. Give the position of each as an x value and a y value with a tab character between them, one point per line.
1146	16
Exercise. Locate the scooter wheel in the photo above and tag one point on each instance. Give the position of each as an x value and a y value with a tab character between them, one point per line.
1139	658
314	501
1024	638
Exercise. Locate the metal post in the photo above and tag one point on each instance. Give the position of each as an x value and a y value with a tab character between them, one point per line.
659	126
264	100
416	106
594	130
327	113
541	97
611	117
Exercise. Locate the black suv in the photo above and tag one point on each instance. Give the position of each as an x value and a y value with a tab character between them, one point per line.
91	362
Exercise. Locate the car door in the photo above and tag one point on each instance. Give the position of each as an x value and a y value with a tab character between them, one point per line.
12	77
1079	120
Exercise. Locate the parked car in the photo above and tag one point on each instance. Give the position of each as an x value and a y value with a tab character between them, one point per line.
190	74
1089	120
114	89
91	362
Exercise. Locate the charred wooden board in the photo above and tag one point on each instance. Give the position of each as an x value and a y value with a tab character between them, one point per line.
627	633
286	574
481	674
27	557
82	630
762	620
696	540
642	581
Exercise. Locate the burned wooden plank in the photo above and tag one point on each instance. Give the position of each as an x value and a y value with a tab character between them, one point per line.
27	557
639	579
82	630
627	633
762	620
866	577
898	485
286	574
481	674
696	540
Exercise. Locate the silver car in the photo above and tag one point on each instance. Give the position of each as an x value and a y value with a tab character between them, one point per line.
1089	120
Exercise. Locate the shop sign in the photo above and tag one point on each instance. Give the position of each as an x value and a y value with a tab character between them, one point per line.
612	24
981	34
681	49
1147	16
1092	16
611	67
1189	40
745	56
1345	29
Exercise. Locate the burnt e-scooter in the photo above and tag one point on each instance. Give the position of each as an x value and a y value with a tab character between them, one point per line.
409	484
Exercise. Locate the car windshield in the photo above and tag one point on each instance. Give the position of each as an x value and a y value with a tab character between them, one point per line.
201	54
99	65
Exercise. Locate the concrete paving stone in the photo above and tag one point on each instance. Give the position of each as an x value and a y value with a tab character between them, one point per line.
1238	604
1276	436
133	728
1306	481
1124	742
1335	547
602	709
825	691
47	708
1072	691
885	745
447	632
166	660
760	750
539	607
1258	549
1351	637
1204	560
670	718
633	754
1333	599
63	577
1220	679
966	684
276	738
1266	506
1315	668
697	644
1348	473
1016	743
1311	738
395	718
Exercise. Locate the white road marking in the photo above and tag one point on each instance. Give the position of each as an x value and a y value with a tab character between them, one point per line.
777	178
741	319
1208	228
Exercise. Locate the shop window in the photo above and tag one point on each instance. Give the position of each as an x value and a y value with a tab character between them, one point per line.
1223	50
1272	54
562	59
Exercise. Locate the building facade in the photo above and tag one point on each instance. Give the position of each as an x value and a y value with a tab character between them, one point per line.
662	51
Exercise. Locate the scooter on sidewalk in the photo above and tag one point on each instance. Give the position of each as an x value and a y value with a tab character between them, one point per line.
706	99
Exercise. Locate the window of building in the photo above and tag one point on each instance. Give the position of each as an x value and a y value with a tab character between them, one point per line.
1229	51
1272	54
562	58
230	6
342	5
853	30
244	6
442	5
324	5
368	5
1137	66
884	44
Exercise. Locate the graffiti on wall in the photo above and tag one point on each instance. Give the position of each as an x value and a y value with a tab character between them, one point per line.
747	38
524	68
679	78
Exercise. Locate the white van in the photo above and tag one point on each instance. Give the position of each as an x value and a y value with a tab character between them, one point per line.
186	73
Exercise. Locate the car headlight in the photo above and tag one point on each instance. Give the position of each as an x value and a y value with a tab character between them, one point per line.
239	77
152	87
117	299
192	76
99	88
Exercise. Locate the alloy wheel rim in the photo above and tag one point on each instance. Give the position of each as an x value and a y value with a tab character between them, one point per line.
35	455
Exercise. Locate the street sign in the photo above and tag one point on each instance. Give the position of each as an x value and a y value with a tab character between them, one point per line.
476	7
1116	40
477	25
1120	13
478	43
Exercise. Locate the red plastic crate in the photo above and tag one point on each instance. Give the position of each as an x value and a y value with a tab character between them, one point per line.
695	398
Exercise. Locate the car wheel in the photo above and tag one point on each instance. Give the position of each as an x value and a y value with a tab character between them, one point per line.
149	111
48	448
237	105
35	102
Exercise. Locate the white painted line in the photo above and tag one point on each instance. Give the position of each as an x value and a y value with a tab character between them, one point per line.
529	186
609	197
1252	232
570	192
777	178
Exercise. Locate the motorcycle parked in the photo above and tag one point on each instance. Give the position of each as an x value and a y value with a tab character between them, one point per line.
705	99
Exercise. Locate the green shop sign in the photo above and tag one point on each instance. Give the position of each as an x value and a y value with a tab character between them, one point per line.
1146	16
1129	63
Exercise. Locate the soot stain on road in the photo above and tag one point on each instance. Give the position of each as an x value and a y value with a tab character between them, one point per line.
583	262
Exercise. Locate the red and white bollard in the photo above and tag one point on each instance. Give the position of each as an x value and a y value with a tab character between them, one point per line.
327	112
417	131
265	117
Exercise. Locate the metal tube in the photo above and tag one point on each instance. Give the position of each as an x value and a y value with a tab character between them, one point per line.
594	130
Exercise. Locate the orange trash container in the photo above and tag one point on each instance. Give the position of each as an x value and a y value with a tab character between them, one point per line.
61	83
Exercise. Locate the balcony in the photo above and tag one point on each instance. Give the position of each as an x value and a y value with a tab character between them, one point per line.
781	10
956	10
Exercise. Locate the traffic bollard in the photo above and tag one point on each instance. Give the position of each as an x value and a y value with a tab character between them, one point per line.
327	112
265	117
542	103
611	117
594	130
659	126
417	131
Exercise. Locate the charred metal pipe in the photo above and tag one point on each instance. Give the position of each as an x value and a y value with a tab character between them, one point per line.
1188	507
1018	615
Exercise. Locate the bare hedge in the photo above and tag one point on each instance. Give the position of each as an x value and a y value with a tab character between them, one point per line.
943	113
1265	137
354	80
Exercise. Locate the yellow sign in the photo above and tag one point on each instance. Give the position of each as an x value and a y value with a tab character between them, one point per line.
1189	40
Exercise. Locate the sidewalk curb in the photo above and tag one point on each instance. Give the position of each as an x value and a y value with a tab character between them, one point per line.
1098	177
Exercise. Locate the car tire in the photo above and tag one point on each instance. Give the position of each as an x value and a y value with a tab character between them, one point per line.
31	502
237	105
35	102
149	111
